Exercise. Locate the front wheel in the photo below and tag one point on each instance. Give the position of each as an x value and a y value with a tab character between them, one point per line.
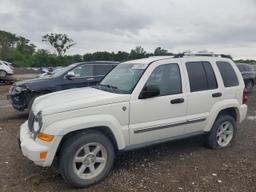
222	133
86	158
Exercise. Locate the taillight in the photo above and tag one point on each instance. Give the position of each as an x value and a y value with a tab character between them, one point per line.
245	96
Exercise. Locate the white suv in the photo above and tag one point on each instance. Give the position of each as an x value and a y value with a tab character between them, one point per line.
139	103
5	69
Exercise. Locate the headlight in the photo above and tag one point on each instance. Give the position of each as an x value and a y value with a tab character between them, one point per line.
19	89
37	125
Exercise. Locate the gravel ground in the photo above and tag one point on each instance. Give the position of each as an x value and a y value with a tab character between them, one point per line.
184	165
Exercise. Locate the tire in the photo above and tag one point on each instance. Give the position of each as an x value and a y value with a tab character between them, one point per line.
216	138
76	147
3	74
249	85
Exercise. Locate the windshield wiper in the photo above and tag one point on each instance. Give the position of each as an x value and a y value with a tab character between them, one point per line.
113	88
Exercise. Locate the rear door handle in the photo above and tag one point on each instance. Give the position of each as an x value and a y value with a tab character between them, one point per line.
216	94
176	101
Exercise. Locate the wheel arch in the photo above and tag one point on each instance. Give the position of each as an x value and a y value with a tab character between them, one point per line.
231	109
101	129
104	124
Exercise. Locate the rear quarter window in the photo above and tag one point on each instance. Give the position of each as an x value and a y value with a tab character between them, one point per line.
228	74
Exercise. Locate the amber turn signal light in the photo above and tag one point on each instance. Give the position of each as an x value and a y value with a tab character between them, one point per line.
45	137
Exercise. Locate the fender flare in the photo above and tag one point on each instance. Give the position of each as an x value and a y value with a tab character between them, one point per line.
218	107
63	127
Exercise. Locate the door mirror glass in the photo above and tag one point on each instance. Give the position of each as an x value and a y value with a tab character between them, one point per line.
149	91
70	75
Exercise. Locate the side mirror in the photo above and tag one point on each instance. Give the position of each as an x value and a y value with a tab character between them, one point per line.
149	91
70	75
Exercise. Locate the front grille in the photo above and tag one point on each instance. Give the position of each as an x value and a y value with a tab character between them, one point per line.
31	119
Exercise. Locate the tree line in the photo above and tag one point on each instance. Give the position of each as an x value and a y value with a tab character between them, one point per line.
22	53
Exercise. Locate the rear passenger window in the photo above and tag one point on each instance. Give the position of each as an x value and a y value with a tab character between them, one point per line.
201	76
228	74
210	76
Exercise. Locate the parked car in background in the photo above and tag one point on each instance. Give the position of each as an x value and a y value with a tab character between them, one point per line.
6	69
248	74
139	103
23	93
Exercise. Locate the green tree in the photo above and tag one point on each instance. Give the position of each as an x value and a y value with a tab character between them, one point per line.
60	42
77	58
121	56
24	46
41	58
159	51
137	53
7	42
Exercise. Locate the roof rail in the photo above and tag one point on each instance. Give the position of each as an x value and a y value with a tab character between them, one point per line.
201	53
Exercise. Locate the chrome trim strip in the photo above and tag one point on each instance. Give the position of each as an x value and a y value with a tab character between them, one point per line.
169	126
150	143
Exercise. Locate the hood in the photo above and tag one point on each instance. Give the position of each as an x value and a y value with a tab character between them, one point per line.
35	84
74	99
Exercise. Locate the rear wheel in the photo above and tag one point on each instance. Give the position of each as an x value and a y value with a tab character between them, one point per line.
86	158
3	74
222	133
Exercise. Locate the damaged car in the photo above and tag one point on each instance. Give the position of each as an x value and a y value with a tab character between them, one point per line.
22	93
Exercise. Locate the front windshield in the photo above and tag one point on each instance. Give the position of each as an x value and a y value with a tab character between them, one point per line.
123	78
58	72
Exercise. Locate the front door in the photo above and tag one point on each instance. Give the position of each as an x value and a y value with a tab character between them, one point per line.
83	77
161	117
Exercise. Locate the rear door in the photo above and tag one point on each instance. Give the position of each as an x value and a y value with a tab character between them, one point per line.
204	93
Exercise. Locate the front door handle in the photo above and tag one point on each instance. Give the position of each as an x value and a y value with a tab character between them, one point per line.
216	94
176	101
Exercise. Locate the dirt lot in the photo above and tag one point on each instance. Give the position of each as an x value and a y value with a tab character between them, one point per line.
184	165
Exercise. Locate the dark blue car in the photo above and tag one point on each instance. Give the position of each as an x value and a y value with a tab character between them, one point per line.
23	93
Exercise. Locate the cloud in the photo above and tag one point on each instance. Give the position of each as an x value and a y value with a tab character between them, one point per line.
222	26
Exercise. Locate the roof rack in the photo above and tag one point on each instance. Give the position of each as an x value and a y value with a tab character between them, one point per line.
201	54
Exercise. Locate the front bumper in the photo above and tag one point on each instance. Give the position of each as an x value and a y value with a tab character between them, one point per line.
18	100
32	148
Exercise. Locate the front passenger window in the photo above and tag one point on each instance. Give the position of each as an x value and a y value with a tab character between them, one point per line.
83	71
167	78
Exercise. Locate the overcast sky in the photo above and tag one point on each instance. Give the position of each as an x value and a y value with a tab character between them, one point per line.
222	26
